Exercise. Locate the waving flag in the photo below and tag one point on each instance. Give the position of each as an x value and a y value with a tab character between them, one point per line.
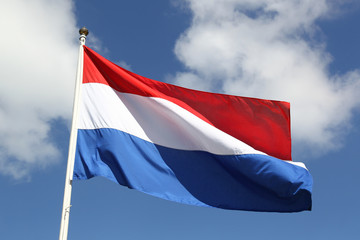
187	146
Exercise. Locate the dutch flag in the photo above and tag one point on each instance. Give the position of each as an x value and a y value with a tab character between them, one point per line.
187	146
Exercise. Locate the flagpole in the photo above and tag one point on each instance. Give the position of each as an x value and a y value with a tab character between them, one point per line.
72	143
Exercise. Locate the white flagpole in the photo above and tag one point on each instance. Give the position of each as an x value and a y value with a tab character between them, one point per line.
72	143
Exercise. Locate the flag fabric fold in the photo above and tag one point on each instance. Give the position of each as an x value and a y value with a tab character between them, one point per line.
187	146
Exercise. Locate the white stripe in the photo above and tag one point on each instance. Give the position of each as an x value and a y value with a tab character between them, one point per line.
155	120
299	164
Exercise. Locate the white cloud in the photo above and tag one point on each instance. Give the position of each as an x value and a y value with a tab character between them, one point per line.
38	67
264	48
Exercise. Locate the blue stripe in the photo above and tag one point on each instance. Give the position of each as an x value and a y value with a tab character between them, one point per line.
245	182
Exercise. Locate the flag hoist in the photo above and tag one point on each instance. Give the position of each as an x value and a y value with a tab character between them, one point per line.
72	143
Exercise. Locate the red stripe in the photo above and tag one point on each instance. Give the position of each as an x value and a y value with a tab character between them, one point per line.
262	124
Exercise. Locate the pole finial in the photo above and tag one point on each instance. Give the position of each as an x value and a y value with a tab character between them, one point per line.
84	31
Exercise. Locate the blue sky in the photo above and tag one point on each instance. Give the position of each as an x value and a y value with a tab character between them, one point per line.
299	51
